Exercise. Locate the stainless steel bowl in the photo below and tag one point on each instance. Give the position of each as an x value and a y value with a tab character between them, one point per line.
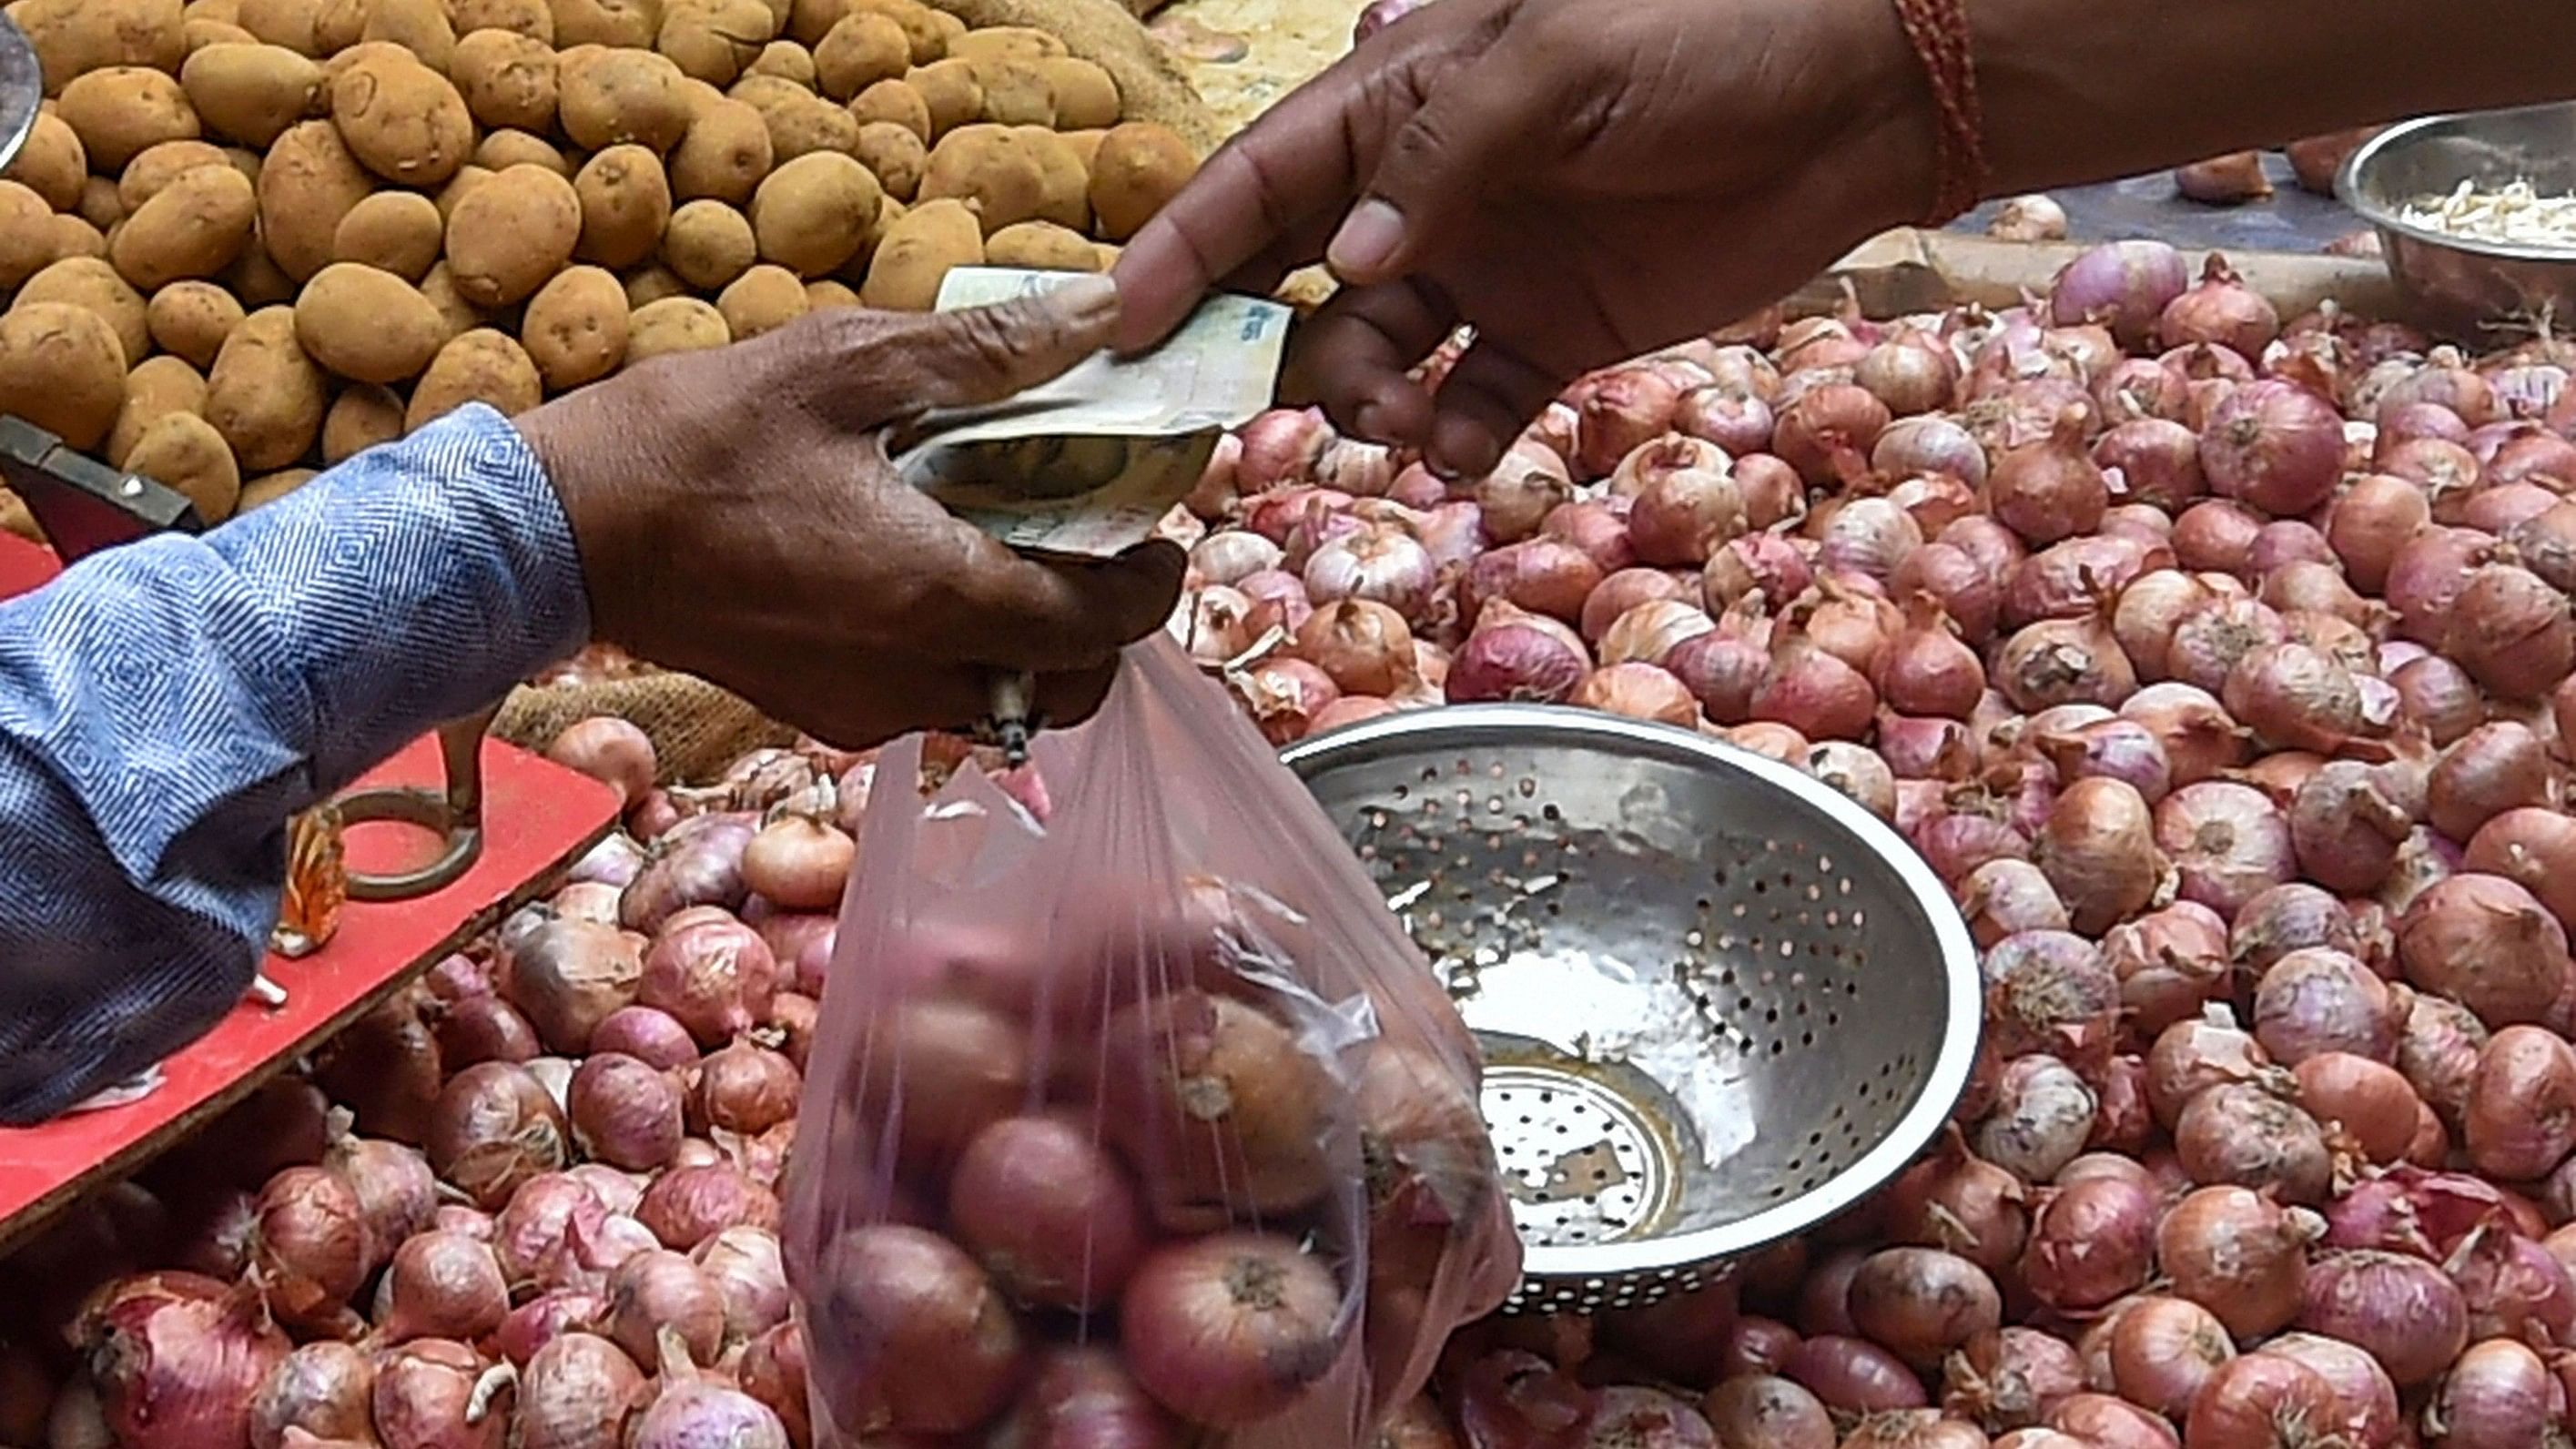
1719	1001
2462	289
22	88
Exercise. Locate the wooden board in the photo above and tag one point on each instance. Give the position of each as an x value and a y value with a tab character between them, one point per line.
538	819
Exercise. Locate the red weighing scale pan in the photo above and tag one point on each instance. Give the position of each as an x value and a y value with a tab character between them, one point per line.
537	819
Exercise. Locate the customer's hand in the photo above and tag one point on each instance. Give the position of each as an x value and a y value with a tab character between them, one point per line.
737	518
1580	181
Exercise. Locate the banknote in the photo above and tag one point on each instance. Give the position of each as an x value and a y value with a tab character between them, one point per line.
1087	463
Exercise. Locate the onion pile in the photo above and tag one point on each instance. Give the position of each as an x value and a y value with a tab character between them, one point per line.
2217	660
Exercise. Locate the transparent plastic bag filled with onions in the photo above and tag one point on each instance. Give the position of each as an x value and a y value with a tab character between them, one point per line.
1142	1127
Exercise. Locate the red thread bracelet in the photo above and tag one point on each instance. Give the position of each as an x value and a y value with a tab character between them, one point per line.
1938	30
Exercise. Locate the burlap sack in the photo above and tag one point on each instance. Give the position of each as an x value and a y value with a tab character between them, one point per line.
696	728
1150	86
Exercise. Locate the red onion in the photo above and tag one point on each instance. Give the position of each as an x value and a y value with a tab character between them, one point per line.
2098	849
2220	309
1855	1376
2500	1394
532	1325
2426	577
2300	698
321	1388
1280	447
1626	590
2227	842
624	1112
1051	1216
1616	411
1514	662
1824	422
2511	631
2401	1310
2370	522
656	1291
2520	1114
750	1277
2258	1400
2275	446
2192	728
2492	769
2244	1134
2164	1351
1927	670
745	1088
2546	543
2139	389
2106	1422
1867	536
2049	991
1735	422
2485	942
697	863
1384	564
2366	1406
1911	371
1929	444
2346	827
1763	1409
2514	1287
2042	1116
566	976
483	1029
798	863
1957	1201
2004	897
2215	535
648	1034
610	750
710	972
2125	286
578	1391
2318	999
2011	1378
1922	1302
1226	558
1648	633
2091	1243
2239	1255
687	1205
2051	489
1232	1329
2439	696
2170	964
495	1127
691	1409
1815	693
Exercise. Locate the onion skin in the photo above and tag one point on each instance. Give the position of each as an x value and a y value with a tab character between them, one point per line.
899	1298
1764	1409
1231	1329
1855	1376
2401	1310
2091	1243
2258	1400
1051	1216
2485	942
2163	1351
578	1392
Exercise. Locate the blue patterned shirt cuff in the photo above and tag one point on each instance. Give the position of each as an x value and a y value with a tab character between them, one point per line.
165	706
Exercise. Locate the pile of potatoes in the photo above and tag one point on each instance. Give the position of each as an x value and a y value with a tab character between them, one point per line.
249	238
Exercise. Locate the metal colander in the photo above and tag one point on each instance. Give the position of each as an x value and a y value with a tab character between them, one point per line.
1719	1001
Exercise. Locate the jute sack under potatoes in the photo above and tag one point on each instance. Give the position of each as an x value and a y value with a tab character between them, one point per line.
1150	86
696	728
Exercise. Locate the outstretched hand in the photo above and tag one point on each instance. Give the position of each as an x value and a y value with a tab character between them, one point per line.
738	518
1579	181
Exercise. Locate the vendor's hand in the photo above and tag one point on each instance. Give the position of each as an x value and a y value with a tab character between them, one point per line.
737	519
1580	181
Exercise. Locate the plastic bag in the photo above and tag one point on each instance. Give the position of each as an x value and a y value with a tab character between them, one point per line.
1148	1113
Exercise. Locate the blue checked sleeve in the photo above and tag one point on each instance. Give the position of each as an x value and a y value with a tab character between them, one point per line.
165	706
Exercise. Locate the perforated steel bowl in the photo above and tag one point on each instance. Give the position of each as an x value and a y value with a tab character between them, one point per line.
1719	1001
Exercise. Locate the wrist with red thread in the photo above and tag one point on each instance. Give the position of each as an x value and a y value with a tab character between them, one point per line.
1938	31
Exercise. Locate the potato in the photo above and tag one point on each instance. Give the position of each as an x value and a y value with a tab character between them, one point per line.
709	244
75	37
51	163
160	165
917	252
894	155
182	451
458	187
202	33
290	23
508	235
761	92
1085	144
814	211
629	23
255	278
699	95
1139	167
309	183
787	61
674	324
265	395
26	235
371	52
575	328
1066	197
482	366
246	161
118	111
362	416
367	325
724	155
651	284
394	231
99	205
807	124
157	386
623	97
501	150
1015	93
419	26
712	40
402	120
826	293
995	171
810	20
69	236
858	52
1006	42
920	25
1041	246
90	283
952	92
763	299
460	315
339	25
625	205
191	320
194	227
267	488
507	79
62	370
530	18
1086	97
251	93
895	102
